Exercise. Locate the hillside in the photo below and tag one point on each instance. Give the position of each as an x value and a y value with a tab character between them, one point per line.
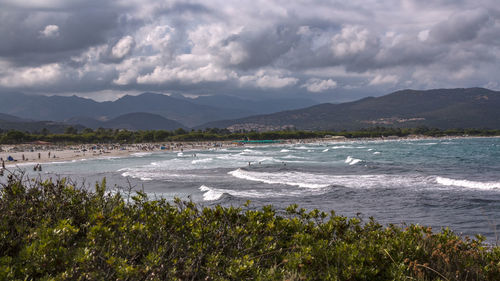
253	107
54	108
142	121
442	108
189	112
8	123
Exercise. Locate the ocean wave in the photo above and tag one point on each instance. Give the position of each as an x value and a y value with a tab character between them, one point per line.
285	150
301	148
291	156
250	152
146	174
322	181
347	147
210	193
131	174
352	161
468	184
205	160
424	144
287	178
325	150
140	154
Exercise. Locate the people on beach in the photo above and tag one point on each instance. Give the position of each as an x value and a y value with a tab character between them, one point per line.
38	167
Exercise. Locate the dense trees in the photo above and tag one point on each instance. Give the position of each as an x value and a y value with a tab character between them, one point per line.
213	134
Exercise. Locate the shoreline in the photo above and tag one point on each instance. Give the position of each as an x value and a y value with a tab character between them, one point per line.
49	153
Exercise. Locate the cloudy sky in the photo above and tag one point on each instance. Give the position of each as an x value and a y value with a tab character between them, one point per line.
325	50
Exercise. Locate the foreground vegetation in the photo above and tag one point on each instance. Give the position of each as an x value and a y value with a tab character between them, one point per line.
123	136
56	231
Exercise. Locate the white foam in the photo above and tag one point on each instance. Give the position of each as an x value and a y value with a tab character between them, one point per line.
285	150
249	152
347	147
302	148
376	152
180	154
205	160
136	176
352	161
320	181
342	147
290	156
424	144
325	150
468	184
140	154
287	178
211	193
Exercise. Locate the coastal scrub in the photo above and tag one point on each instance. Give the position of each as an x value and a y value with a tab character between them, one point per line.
54	230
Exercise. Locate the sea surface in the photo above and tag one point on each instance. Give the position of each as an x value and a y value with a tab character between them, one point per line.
435	182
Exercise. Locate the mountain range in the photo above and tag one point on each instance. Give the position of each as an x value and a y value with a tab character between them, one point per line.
439	108
9	122
189	112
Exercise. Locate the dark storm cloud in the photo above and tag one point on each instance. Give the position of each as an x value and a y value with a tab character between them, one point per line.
463	26
79	26
265	47
321	48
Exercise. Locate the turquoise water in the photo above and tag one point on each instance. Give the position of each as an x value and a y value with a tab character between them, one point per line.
436	182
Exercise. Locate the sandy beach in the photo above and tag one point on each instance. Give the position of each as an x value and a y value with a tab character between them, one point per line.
27	154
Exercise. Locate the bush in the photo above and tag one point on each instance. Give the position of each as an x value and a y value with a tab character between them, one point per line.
52	230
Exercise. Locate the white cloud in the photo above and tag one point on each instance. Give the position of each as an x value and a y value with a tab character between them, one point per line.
216	40
492	85
126	77
351	40
31	76
264	79
158	37
123	47
208	73
423	35
50	31
248	44
384	79
318	85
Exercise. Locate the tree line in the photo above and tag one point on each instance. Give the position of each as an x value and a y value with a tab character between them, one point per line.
101	135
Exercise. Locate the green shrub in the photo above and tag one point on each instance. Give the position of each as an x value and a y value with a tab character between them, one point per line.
53	230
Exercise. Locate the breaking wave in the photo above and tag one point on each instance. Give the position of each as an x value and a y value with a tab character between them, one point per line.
352	161
468	184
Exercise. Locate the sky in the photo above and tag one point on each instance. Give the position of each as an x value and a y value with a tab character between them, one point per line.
324	50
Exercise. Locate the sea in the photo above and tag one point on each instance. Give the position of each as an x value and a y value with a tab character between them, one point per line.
440	183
